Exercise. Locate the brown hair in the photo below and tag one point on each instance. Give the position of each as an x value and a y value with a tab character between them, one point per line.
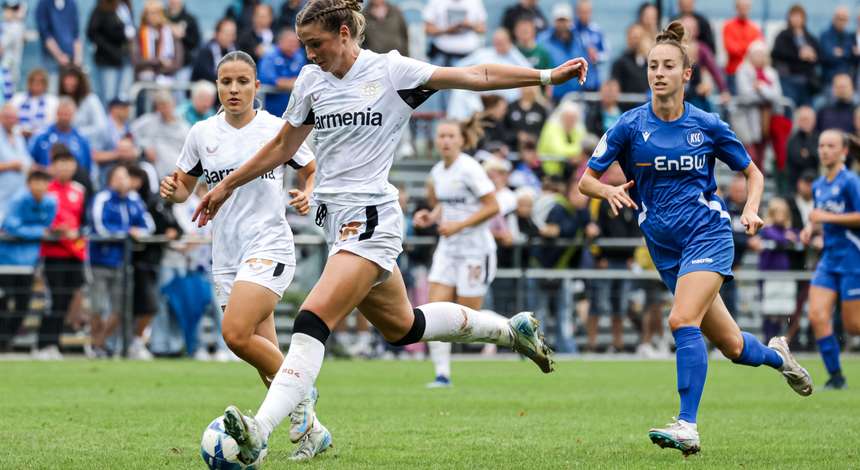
332	14
797	8
673	35
472	130
83	88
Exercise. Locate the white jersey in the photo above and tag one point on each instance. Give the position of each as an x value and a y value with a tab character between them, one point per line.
459	189
252	223
358	121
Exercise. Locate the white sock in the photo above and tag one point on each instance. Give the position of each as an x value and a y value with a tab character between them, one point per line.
450	322
292	383
440	354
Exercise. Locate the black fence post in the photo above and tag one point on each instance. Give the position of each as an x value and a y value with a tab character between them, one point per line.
126	320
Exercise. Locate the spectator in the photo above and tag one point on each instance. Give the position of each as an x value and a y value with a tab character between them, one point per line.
795	57
779	239
802	147
801	205
527	173
706	74
387	29
64	259
90	118
157	54
525	36
496	135
241	12
839	112
279	68
12	39
14	158
111	30
57	22
562	44
104	146
602	116
648	18
759	97
64	132
37	108
839	50
30	214
185	28
524	9
560	144
116	212
201	106
737	196
454	28
706	34
738	33
208	57
161	134
257	40
526	116
652	342
593	42
630	70
289	11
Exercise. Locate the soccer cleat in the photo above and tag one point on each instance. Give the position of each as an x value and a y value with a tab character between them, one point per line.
244	430
678	434
314	443
797	377
302	418
528	340
440	382
835	382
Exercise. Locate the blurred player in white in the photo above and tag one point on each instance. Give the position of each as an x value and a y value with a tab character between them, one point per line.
358	104
463	201
253	255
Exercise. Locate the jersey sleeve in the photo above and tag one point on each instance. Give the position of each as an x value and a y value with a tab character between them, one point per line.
728	147
302	157
852	193
478	182
612	146
407	73
299	110
189	159
507	201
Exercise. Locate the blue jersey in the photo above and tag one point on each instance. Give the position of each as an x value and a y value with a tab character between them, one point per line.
841	243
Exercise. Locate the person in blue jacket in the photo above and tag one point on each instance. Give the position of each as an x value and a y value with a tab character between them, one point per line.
667	150
116	212
279	68
31	212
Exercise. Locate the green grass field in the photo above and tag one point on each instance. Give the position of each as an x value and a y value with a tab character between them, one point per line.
502	414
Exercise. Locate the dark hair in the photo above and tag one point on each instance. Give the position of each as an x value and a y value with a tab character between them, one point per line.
83	88
38	174
222	22
59	151
851	142
673	35
797	8
332	14
643	7
491	100
235	56
113	170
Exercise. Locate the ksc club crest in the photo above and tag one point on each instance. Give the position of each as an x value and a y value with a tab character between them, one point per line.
695	138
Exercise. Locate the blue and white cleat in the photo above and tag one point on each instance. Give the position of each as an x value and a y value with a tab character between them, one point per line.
440	382
317	441
302	418
528	340
678	434
797	377
246	433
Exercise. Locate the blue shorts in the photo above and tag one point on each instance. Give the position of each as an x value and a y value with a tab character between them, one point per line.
712	251
847	285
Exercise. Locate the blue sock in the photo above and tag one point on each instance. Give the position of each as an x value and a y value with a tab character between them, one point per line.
691	362
755	354
829	349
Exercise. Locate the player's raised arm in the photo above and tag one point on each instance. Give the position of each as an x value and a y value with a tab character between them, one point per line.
485	77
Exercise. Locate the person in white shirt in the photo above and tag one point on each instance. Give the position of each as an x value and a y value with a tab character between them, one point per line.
358	103
253	255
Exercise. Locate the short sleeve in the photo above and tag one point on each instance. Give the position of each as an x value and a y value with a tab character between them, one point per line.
507	201
478	182
299	111
407	73
611	147
728	148
302	157
852	193
189	159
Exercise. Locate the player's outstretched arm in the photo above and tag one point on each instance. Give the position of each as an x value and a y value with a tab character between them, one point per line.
485	77
755	187
617	196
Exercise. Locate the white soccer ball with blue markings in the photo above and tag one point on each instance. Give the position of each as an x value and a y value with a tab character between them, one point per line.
221	452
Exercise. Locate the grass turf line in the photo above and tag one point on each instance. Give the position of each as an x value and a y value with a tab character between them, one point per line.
135	415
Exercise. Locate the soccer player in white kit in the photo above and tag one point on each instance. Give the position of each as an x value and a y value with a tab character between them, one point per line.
463	201
253	255
358	103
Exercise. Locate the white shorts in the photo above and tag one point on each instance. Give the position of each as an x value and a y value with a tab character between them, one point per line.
272	275
471	276
373	232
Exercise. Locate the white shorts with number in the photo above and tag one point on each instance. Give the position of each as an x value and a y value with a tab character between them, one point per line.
471	275
373	232
272	275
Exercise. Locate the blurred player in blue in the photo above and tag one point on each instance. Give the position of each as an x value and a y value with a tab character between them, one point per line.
667	150
837	277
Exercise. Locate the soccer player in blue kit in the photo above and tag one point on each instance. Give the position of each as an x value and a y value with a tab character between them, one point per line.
837	276
667	150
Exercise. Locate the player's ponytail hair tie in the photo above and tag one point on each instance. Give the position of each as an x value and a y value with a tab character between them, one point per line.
674	35
332	14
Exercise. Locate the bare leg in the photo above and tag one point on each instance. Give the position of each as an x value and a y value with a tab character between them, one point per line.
250	305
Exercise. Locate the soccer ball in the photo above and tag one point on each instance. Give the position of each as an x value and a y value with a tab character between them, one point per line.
221	452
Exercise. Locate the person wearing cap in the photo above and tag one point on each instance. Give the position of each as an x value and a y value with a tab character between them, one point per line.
562	44
802	148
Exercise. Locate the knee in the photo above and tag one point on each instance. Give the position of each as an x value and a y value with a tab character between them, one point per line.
677	320
818	316
236	340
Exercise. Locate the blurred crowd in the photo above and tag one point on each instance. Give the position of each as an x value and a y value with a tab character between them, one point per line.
80	156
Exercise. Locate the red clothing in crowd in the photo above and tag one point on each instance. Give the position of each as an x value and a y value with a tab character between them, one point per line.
70	216
738	34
